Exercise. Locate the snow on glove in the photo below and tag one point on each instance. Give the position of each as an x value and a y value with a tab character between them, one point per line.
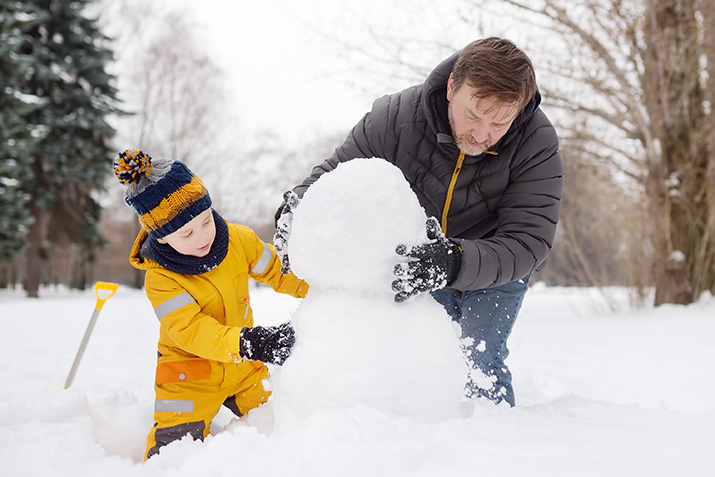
284	224
270	344
430	266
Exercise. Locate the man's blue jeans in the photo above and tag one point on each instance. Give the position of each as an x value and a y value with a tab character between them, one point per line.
486	318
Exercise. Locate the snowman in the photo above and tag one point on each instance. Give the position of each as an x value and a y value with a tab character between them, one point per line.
354	344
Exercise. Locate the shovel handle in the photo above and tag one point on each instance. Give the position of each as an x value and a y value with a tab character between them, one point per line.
107	289
104	287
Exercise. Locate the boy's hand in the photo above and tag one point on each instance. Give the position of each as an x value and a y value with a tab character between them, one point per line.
430	266
270	344
284	224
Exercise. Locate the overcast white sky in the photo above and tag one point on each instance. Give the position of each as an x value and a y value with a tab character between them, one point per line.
280	71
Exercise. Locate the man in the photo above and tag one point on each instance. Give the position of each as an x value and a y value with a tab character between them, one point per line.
483	160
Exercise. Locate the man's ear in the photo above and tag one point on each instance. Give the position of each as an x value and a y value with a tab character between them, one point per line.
450	84
161	241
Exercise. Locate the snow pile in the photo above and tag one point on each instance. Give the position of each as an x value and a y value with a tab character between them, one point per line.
355	345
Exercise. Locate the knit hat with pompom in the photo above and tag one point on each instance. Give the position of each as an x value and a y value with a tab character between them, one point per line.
165	193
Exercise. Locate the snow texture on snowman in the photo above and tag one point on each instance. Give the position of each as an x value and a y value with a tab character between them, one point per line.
354	344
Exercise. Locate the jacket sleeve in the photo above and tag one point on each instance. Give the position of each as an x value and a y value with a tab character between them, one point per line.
186	325
526	219
264	266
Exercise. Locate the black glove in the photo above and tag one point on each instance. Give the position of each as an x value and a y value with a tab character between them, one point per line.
284	224
431	266
270	344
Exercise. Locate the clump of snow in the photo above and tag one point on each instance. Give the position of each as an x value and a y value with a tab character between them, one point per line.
354	344
676	256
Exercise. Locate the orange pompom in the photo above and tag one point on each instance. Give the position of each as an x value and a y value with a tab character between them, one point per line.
130	165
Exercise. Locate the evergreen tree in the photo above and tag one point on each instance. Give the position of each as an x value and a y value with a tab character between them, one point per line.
69	158
15	140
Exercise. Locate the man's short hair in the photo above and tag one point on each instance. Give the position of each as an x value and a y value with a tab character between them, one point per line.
496	68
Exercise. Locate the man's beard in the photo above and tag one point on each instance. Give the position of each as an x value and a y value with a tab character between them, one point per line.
462	141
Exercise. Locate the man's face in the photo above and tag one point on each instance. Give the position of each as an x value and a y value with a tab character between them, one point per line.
477	123
196	237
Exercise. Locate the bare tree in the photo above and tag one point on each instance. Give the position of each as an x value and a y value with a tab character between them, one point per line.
263	172
176	98
603	234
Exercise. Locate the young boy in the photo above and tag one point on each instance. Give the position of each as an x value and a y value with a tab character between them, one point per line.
197	269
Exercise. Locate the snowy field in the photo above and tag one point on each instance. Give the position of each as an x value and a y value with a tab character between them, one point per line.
624	393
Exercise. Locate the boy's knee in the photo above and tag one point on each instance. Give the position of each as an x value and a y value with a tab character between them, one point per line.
162	436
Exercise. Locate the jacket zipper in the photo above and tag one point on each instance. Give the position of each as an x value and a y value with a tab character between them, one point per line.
448	202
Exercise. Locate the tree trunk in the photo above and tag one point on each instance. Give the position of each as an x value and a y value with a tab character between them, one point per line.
706	258
676	184
79	276
35	253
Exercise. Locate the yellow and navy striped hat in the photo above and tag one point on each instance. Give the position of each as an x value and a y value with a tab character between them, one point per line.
164	192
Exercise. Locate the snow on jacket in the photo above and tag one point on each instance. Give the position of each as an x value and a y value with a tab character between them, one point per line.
504	207
202	315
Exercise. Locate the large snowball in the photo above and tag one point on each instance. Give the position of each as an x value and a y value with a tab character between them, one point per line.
348	224
354	345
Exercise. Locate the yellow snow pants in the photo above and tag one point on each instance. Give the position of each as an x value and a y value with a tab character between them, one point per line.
190	393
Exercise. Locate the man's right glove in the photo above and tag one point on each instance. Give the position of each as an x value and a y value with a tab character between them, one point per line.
284	224
430	266
270	344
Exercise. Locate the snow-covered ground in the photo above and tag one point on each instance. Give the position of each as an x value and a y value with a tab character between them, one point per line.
622	393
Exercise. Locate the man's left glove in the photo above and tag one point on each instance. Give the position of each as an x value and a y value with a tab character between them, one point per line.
284	224
430	266
270	344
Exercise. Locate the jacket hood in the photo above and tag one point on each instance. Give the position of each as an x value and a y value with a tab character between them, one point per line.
140	255
434	101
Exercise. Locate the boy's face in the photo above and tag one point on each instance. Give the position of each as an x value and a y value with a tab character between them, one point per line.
195	238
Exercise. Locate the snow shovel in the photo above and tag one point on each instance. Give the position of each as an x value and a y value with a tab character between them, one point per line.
108	289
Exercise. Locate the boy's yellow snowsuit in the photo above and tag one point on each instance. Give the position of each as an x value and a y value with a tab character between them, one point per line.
199	367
